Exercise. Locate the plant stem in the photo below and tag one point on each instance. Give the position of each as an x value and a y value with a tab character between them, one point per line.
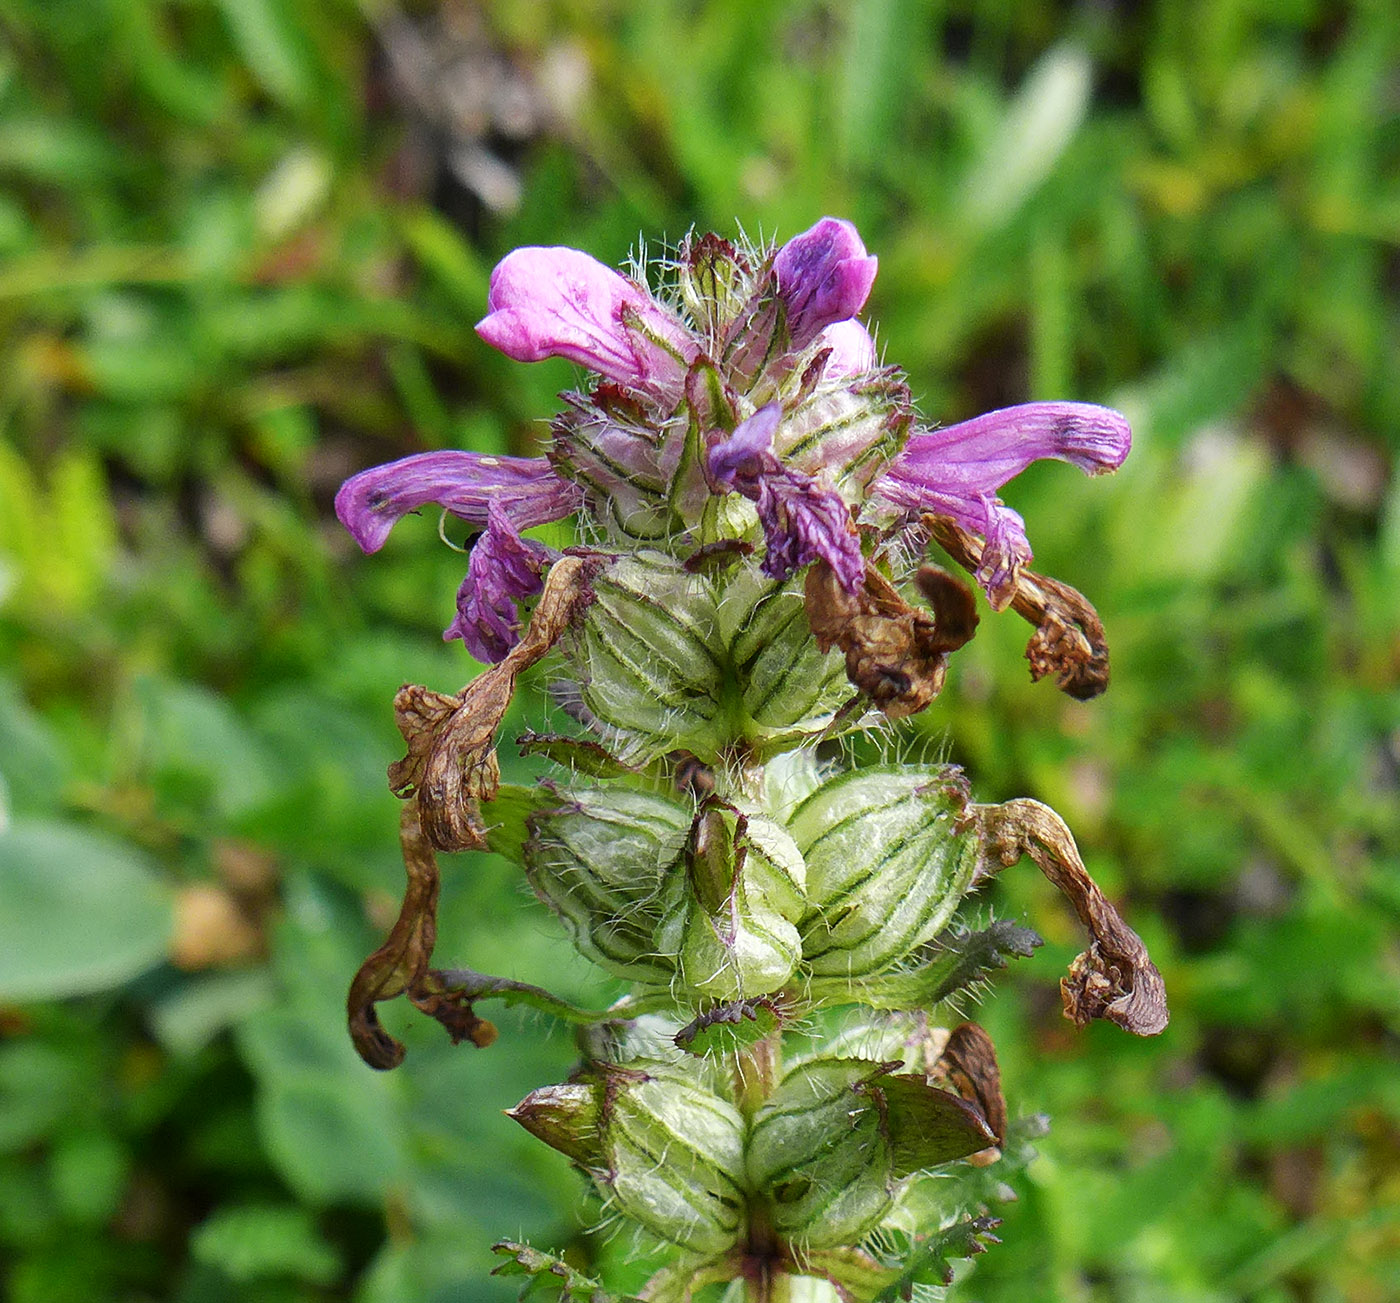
756	1072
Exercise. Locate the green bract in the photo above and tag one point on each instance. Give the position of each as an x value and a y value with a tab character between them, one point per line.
670	660
887	865
665	1148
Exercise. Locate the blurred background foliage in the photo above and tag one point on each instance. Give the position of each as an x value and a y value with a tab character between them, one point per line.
242	246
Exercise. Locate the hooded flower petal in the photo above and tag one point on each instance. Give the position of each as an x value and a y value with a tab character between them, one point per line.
558	302
465	483
956	471
824	276
503	568
801	520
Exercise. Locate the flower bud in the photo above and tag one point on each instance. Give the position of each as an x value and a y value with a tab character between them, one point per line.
887	864
565	1118
851	429
615	449
716	281
606	861
659	1142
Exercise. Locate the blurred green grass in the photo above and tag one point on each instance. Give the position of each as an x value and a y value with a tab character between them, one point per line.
242	244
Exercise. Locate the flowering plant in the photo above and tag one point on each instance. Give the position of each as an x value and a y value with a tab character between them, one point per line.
753	491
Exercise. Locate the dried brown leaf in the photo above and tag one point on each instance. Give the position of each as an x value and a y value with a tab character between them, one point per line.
896	654
403	959
1114	978
968	1066
401	965
451	763
1068	643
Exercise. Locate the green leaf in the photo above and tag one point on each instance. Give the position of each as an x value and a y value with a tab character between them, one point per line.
33	769
956	960
332	1129
201	752
480	986
273	49
254	1241
1038	126
729	1028
78	912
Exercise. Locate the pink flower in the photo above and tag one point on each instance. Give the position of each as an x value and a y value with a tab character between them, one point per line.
465	483
956	471
505	494
503	569
852	351
558	302
824	276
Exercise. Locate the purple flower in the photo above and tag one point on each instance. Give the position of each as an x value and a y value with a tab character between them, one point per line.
824	276
956	471
467	484
801	520
558	302
503	568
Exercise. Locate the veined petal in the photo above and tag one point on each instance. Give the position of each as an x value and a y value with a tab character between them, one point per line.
852	350
465	483
503	568
559	302
1006	552
956	471
824	276
802	521
980	455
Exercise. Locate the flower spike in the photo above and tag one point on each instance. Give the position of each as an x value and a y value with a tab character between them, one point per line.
746	589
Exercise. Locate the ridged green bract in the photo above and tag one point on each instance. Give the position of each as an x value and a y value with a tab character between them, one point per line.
886	866
669	660
736	932
615	864
868	868
817	1150
607	860
675	1156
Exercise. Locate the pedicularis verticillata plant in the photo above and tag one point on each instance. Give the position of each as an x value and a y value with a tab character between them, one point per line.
754	492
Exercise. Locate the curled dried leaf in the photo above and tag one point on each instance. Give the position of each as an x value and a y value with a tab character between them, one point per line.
403	959
451	763
896	654
1068	643
400	965
1114	978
